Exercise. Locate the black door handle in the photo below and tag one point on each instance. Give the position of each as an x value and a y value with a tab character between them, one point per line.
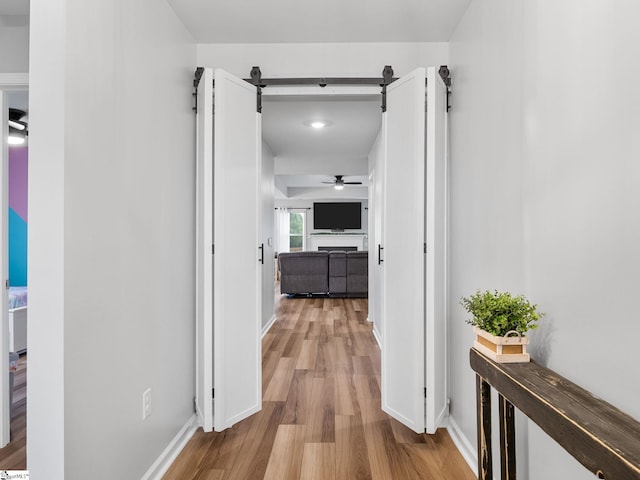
261	248
380	248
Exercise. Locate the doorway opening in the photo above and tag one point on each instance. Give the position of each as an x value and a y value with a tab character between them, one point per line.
14	252
315	139
414	159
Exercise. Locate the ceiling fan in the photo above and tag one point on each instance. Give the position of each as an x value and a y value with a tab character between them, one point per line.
17	127
339	183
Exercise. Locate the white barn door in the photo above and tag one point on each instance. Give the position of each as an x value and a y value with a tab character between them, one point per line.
436	230
413	370
403	357
228	348
204	258
237	274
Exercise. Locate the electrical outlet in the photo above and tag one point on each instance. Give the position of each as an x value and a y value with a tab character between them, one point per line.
146	404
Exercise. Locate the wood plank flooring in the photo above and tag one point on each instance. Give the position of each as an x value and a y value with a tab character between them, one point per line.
321	416
14	455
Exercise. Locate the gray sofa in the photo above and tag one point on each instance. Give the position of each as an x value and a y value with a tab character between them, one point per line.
357	274
335	273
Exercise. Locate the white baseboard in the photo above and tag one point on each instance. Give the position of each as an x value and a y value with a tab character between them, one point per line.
164	461
462	443
269	324
376	335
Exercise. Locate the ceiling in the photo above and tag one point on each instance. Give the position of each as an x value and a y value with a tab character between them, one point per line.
326	21
306	157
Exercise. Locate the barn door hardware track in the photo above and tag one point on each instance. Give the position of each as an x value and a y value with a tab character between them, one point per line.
386	79
257	80
445	74
196	81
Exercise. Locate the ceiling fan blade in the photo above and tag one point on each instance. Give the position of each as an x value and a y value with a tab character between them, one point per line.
329	183
353	183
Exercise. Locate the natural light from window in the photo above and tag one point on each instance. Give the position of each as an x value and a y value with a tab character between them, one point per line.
296	231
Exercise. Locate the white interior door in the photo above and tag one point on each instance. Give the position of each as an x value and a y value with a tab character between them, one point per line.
414	386
436	257
403	348
237	255
204	258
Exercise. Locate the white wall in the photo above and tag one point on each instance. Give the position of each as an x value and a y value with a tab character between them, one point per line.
325	59
268	233
112	235
544	192
14	43
47	145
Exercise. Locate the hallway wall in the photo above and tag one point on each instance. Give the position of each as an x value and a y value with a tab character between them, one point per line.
544	193
111	246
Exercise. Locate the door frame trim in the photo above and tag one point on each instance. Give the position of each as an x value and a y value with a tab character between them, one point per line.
8	82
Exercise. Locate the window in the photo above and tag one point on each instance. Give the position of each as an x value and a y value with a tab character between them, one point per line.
296	231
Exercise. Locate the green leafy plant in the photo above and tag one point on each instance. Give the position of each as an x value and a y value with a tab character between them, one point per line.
500	312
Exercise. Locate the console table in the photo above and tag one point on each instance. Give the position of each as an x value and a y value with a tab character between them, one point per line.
601	437
337	240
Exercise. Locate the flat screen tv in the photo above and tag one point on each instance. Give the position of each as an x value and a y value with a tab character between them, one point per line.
337	215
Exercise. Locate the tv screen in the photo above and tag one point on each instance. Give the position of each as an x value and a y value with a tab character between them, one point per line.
337	215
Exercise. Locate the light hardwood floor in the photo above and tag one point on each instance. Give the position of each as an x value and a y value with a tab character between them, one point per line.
14	455
321	416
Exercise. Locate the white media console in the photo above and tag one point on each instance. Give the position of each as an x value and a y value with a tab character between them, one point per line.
337	240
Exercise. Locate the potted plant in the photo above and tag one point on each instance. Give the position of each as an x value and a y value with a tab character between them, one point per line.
500	321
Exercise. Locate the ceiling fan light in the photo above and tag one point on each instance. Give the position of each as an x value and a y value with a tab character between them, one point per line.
16	137
338	186
18	125
15	140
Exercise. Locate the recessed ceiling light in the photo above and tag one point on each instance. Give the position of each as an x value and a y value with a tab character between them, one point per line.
318	124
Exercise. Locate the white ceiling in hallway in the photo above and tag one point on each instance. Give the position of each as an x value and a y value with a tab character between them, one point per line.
351	126
326	21
306	157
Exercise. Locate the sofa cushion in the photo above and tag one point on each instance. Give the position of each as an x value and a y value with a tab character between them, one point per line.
337	263
357	274
337	273
304	272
